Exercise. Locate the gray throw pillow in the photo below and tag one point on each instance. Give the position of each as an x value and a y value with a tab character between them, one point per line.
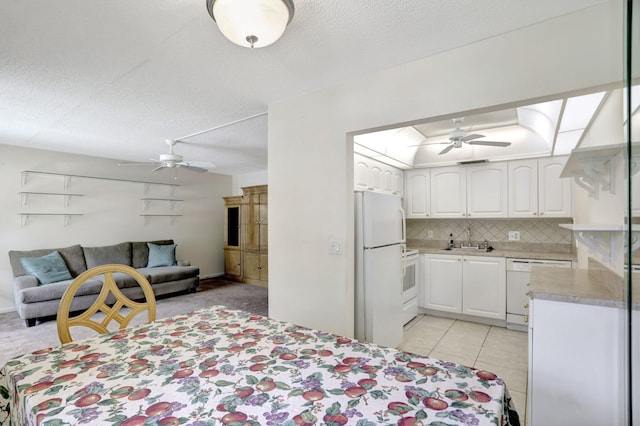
47	269
161	255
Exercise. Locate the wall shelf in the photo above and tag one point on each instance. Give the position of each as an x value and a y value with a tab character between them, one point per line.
67	217
173	201
68	177
592	168
603	240
67	197
149	216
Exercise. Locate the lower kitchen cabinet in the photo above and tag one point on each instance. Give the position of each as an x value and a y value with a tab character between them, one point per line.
577	371
470	285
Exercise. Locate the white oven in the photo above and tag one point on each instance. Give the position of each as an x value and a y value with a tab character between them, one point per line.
410	285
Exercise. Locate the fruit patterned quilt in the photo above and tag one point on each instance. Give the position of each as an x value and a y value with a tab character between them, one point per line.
224	367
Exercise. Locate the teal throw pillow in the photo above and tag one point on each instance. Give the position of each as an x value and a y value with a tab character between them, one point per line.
161	255
47	269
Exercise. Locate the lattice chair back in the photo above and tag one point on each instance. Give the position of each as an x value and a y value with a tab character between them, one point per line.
111	312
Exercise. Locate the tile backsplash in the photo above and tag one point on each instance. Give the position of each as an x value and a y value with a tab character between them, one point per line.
543	232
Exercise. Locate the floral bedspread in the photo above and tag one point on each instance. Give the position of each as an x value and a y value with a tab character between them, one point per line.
224	367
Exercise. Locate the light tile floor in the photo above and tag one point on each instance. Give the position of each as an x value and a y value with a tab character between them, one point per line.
496	349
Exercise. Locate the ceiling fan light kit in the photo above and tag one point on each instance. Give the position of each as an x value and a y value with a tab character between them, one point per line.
251	23
173	161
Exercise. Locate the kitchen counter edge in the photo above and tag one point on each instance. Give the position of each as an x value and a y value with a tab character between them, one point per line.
511	254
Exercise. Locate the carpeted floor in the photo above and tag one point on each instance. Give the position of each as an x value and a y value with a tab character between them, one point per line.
16	338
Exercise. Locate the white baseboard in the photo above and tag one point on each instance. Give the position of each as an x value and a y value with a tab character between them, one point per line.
7	310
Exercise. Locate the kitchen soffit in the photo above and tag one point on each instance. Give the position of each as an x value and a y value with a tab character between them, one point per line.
535	130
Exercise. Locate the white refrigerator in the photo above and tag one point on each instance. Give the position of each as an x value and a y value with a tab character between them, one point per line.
379	245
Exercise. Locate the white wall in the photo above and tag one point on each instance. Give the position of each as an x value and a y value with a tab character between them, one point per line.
311	159
248	179
111	210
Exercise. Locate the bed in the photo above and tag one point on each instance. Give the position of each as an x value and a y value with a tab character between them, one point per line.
226	367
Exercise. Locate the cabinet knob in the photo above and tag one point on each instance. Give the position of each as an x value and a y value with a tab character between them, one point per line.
528	292
526	319
526	306
535	214
541	213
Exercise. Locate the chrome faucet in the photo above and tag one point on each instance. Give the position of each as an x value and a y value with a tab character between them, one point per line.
469	235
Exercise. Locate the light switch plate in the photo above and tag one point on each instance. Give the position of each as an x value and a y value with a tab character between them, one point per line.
514	235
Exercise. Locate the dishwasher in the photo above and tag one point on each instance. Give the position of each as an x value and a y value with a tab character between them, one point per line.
518	275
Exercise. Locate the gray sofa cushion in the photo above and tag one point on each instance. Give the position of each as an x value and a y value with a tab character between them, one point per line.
104	255
73	256
162	274
140	252
55	291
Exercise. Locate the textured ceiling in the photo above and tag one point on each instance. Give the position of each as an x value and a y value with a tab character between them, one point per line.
116	78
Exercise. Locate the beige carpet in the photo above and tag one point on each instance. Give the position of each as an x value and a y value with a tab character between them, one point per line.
16	339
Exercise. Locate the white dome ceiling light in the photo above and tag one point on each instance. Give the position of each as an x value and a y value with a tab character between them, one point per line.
251	23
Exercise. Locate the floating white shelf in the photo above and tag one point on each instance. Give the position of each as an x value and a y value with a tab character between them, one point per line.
146	201
67	179
603	239
592	168
67	197
67	217
148	216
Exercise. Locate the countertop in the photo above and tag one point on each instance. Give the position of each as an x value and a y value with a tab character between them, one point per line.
498	253
599	287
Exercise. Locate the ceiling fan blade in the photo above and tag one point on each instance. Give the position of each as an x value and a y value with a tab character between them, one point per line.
489	143
192	168
160	167
471	136
205	164
447	149
136	164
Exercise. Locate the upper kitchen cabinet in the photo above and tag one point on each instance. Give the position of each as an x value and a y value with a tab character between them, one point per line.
418	194
449	192
373	175
536	189
471	192
487	190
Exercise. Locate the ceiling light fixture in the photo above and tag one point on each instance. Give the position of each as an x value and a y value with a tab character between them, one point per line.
251	23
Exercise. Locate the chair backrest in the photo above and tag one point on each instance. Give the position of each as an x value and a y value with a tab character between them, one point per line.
112	312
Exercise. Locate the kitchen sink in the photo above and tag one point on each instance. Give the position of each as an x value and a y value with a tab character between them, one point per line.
469	249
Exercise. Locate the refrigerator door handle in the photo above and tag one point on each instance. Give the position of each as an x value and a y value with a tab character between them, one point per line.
404	226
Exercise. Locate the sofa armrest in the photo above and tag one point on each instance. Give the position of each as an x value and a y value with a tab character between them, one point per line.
24	281
180	262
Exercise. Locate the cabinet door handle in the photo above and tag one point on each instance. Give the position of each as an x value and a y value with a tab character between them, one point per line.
526	319
541	213
527	293
526	306
535	213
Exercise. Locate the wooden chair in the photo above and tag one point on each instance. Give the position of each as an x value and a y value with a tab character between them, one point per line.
112	313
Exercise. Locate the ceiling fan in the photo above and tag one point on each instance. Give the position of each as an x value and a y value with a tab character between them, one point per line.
458	136
173	161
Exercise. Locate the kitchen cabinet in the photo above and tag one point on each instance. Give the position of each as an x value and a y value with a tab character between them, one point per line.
470	285
476	191
487	190
449	192
373	175
577	369
418	194
536	189
233	264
